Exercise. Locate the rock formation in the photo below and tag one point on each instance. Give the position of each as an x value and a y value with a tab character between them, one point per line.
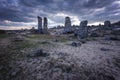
45	26
39	24
83	30
67	25
107	25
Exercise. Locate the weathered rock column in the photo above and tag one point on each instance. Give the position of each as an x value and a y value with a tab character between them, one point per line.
39	24
45	25
67	25
83	30
107	25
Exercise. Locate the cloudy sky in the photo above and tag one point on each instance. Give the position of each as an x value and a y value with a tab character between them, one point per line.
17	14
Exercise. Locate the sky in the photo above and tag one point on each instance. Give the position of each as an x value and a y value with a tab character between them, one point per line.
17	14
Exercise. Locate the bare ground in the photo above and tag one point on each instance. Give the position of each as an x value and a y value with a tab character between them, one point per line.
94	60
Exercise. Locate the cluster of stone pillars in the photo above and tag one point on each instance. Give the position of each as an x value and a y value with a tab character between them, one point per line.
82	31
43	29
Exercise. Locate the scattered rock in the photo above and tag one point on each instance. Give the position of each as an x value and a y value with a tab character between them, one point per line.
44	42
75	44
104	49
56	40
83	40
40	53
108	37
17	39
94	35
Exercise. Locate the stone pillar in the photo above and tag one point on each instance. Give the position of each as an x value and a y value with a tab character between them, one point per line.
83	24
45	25
39	24
67	24
83	30
107	25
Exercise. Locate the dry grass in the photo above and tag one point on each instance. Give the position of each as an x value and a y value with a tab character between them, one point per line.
40	36
57	66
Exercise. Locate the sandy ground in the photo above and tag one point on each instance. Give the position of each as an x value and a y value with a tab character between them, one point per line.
93	60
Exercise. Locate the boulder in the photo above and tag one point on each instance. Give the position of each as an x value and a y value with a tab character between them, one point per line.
109	37
40	53
104	49
94	35
75	44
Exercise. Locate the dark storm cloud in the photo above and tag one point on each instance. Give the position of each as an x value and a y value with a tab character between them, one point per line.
27	10
97	3
11	10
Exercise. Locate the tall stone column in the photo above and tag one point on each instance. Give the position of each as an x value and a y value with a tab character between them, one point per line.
39	24
107	25
83	29
67	22
67	25
45	25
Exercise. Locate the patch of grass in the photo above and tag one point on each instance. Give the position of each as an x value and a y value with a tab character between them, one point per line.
22	45
63	40
44	42
40	36
4	35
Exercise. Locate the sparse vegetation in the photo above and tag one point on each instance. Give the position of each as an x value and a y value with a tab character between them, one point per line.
40	36
18	60
4	35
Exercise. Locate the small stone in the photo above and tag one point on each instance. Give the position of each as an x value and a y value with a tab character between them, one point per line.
108	37
56	40
40	53
75	44
104	49
94	35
